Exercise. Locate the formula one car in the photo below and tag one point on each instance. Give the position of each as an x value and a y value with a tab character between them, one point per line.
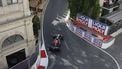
56	42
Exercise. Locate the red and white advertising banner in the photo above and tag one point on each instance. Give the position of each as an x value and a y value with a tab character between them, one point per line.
86	35
93	24
90	38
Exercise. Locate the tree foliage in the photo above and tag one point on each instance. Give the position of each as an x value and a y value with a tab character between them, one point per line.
36	25
86	7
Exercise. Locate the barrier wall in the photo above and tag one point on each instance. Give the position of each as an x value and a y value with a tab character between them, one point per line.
89	37
42	60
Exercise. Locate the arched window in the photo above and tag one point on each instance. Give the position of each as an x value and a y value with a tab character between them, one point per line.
12	39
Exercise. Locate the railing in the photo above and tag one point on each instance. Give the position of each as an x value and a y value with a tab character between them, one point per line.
27	63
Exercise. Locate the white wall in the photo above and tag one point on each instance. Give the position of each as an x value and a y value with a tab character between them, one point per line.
22	27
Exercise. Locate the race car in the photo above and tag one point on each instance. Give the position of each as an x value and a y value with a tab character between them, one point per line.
56	42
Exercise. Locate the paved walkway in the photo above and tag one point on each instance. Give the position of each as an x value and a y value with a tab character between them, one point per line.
116	49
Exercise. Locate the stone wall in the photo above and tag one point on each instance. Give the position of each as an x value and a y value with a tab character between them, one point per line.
16	19
22	27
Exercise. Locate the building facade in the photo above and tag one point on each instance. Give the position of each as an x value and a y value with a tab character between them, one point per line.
16	32
36	6
109	6
114	21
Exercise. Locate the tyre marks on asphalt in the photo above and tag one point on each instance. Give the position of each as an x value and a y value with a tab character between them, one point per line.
68	63
59	19
52	60
66	45
53	57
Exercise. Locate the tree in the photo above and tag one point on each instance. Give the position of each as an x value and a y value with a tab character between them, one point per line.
36	25
86	7
73	5
95	10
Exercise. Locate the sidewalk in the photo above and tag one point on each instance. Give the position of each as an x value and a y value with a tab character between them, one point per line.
116	49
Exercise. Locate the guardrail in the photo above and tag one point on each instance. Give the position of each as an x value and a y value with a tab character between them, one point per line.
27	63
42	60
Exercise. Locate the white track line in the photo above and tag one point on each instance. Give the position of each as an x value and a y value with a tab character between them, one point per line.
42	34
118	66
66	45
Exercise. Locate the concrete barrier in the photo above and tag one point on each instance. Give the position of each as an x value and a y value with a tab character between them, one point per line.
42	60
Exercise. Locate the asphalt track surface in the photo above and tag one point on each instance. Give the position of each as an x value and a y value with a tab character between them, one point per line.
75	53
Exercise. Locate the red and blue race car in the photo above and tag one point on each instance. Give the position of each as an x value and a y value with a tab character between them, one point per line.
56	43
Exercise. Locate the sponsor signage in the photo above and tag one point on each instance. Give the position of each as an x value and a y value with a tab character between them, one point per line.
93	24
97	42
90	38
99	27
83	20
